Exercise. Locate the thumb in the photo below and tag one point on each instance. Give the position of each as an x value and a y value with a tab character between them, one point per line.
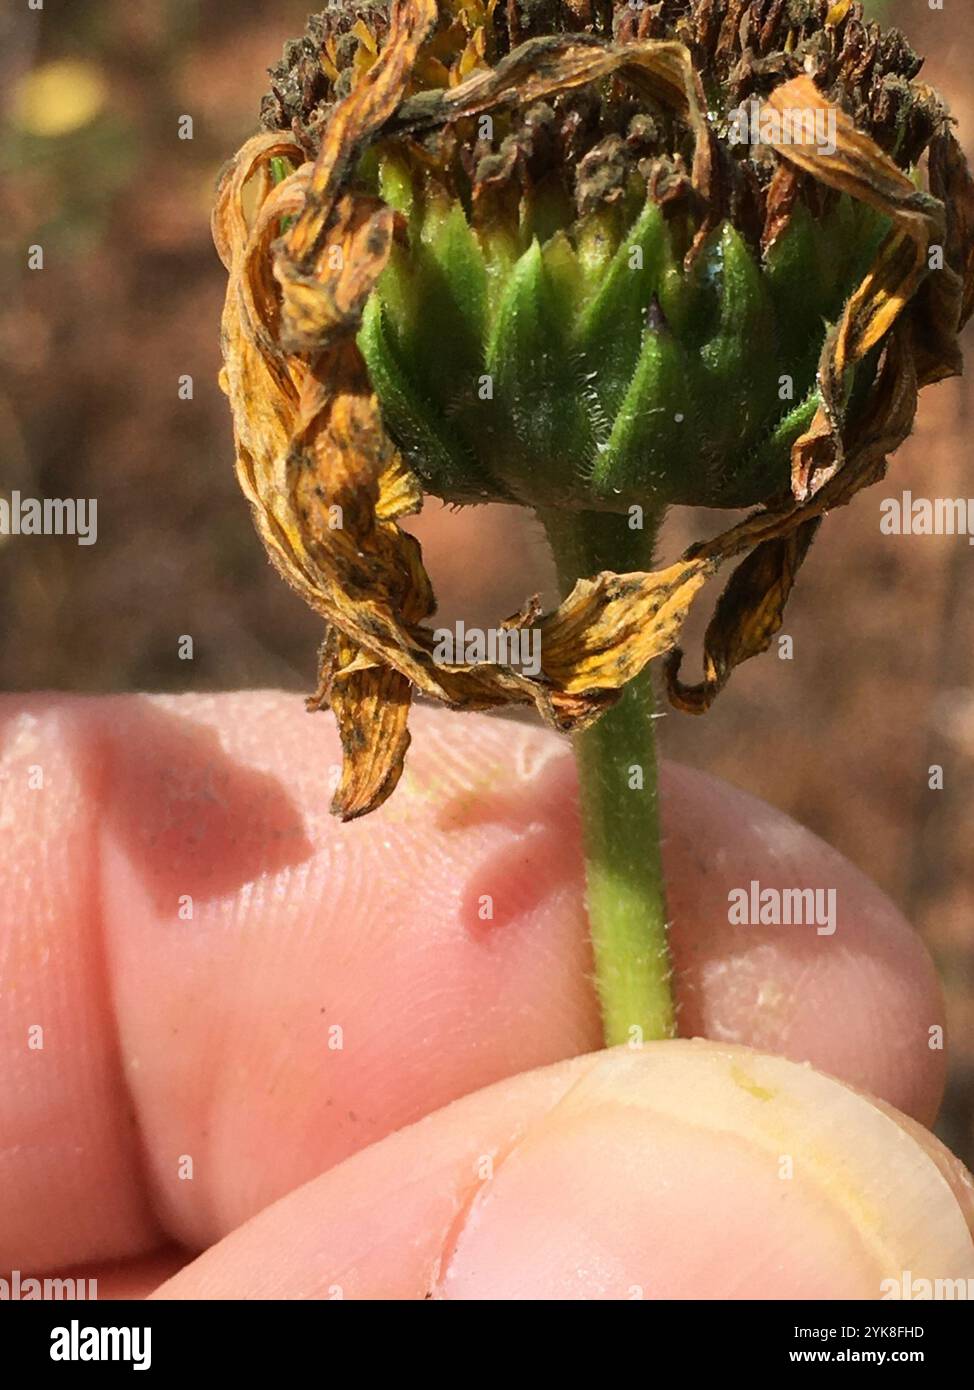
682	1170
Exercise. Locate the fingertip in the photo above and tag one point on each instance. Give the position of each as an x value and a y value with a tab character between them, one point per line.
679	1170
851	988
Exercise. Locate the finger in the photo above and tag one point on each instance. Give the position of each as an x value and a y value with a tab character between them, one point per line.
237	992
125	1279
838	992
686	1170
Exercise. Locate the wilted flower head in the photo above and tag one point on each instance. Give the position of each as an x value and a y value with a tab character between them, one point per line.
576	255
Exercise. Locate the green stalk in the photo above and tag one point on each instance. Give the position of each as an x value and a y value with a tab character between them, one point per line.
616	760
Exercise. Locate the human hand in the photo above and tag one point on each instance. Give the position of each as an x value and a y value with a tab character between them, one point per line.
241	1001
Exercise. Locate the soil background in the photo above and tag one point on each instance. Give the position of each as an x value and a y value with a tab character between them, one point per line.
881	681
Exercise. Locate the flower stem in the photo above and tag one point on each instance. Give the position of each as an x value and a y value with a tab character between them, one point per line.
616	761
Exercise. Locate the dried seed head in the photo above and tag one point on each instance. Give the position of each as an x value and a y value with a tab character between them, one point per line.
741	49
632	197
585	301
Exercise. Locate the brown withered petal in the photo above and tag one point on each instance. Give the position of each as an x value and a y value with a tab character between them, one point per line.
327	486
857	167
371	708
780	204
748	614
946	298
609	627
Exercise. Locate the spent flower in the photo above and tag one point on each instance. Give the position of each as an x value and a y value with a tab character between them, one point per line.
594	259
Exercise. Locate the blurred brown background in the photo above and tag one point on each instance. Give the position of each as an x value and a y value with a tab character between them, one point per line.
881	685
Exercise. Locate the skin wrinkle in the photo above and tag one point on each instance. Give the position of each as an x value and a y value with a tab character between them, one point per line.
81	753
342	1272
464	1198
479	1188
96	917
101	791
479	1192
